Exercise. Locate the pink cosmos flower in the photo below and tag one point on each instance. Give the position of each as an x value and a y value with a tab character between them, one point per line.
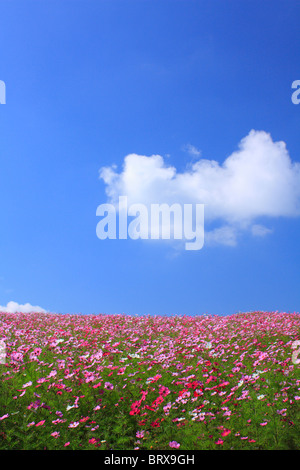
219	442
37	351
28	384
108	386
15	356
73	424
84	419
174	444
97	385
93	440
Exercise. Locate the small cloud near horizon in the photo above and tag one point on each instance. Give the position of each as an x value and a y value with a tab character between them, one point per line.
14	307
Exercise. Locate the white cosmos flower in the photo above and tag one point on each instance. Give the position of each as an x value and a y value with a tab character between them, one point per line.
260	397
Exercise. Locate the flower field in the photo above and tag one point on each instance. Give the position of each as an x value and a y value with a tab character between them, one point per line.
149	382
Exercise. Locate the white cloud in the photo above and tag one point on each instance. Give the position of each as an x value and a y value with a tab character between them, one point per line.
191	150
257	180
13	307
225	235
260	230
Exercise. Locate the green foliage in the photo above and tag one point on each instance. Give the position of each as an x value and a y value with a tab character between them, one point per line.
233	396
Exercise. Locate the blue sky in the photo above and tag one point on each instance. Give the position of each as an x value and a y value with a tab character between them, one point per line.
91	82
